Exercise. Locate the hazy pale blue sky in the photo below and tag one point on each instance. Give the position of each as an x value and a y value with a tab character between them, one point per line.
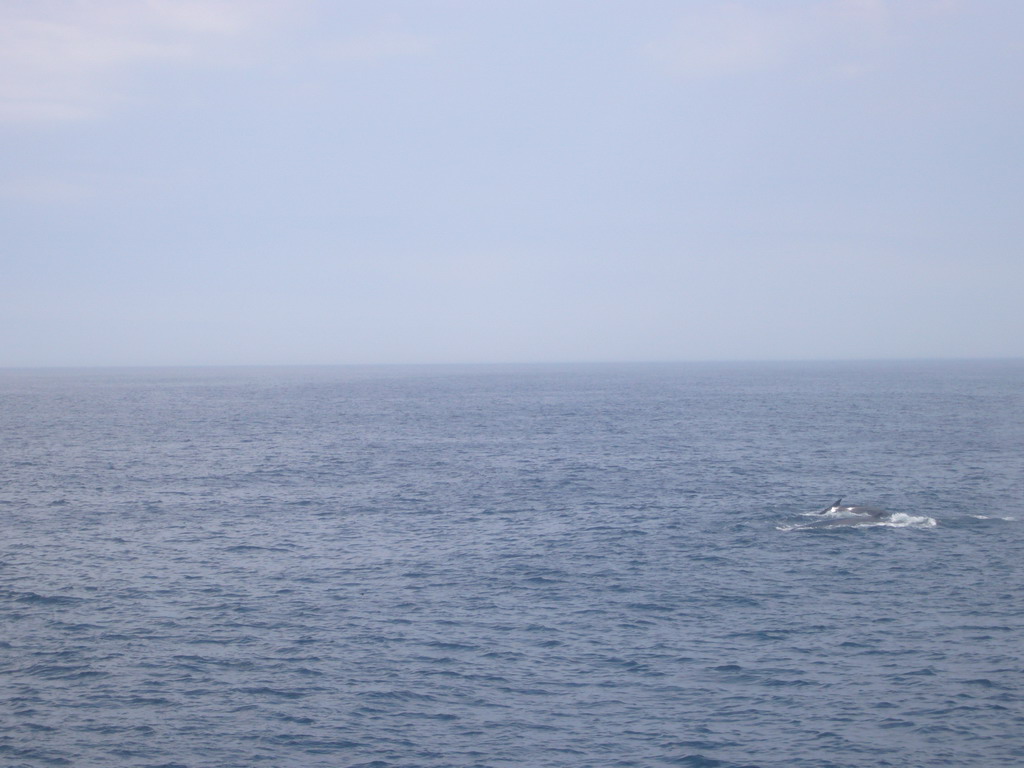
322	181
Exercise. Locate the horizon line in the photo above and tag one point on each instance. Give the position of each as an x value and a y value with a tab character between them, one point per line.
513	363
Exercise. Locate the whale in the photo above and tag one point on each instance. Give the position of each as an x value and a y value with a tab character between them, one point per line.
853	509
858	515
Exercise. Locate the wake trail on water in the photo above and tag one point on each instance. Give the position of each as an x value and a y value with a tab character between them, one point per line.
837	520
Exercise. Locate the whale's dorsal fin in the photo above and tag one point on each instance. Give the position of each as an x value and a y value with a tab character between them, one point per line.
829	509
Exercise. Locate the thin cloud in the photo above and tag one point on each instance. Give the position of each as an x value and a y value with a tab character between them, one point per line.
66	60
379	45
44	190
735	38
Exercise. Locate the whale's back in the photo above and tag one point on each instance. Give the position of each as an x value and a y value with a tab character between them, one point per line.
869	511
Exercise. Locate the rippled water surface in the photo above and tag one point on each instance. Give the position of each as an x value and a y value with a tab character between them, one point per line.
538	566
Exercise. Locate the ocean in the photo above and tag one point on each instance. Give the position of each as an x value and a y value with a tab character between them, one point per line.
535	566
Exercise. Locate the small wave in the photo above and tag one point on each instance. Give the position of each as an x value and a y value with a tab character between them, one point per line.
984	682
64	671
650	607
254	548
699	761
32	597
311	746
449	646
397	695
265	690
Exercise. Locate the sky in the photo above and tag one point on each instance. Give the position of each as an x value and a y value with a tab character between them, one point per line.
236	182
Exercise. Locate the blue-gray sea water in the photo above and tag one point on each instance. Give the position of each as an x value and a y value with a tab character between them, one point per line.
512	566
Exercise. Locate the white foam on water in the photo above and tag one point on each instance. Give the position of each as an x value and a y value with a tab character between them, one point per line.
902	520
895	520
